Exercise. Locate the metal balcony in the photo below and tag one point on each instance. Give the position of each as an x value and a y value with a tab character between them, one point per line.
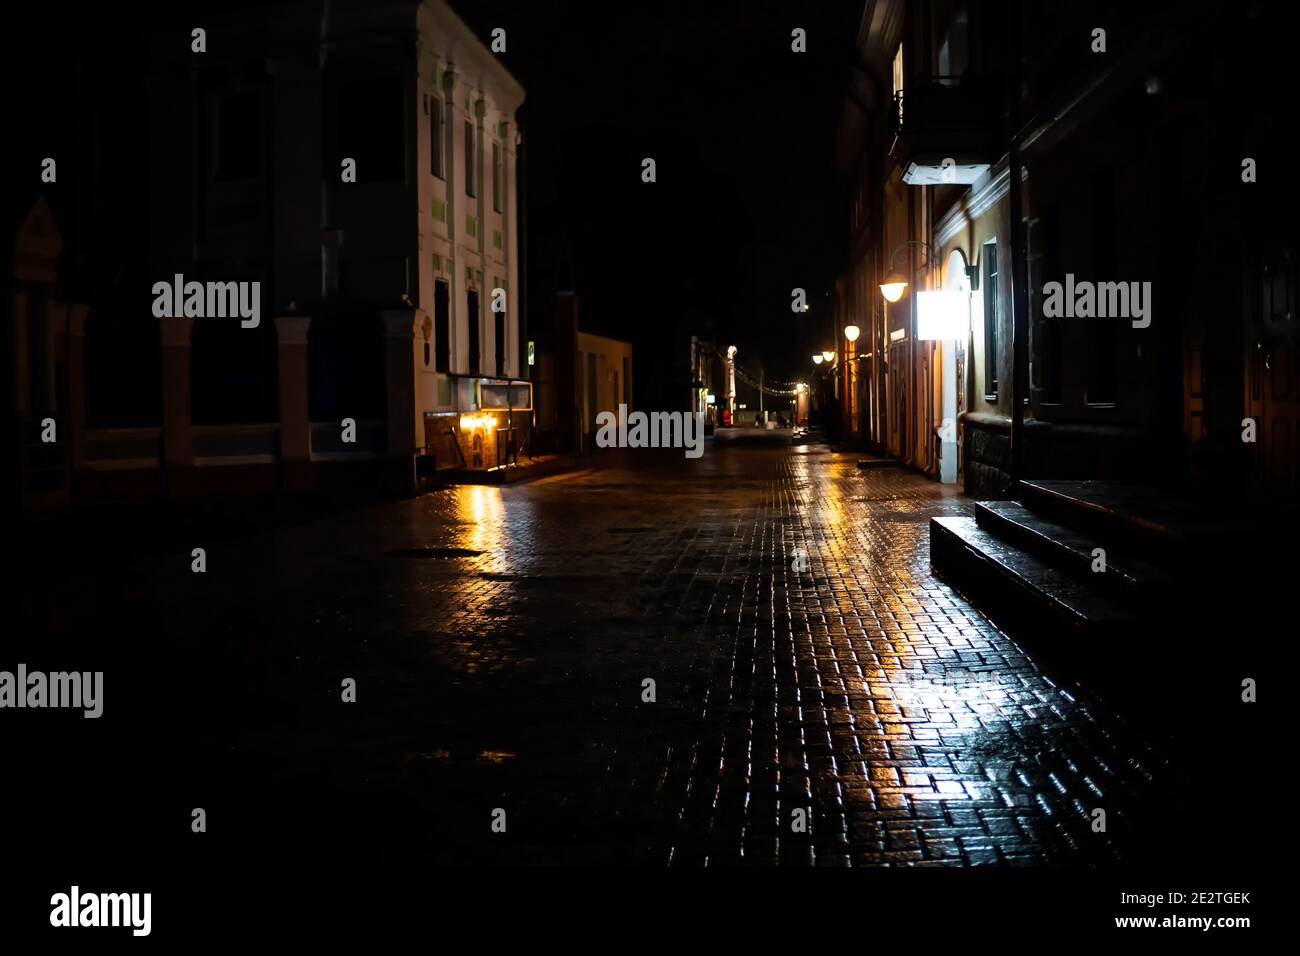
945	130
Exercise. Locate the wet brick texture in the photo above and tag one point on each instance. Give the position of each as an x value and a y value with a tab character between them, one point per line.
500	639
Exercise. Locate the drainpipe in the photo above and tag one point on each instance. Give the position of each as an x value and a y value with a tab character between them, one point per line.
521	244
1019	270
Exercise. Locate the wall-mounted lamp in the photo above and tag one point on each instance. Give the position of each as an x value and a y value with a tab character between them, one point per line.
895	283
893	287
851	332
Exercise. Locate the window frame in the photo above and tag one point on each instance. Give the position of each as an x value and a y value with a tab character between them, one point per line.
436	166
498	177
471	151
992	316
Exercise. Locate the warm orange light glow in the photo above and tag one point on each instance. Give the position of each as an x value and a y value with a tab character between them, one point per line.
893	287
473	423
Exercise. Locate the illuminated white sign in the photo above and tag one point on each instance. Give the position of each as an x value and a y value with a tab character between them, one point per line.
942	314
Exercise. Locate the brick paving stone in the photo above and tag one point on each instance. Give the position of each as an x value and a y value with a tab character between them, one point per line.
863	692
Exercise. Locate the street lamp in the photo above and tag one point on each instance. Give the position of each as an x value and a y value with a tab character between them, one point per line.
893	287
828	356
817	359
851	332
895	283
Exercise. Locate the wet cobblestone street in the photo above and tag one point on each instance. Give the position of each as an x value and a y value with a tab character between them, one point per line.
500	639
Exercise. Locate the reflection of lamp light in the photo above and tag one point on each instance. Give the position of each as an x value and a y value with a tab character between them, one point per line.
828	356
817	359
851	332
893	287
942	314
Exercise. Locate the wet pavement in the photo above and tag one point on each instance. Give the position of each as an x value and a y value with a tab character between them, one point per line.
858	712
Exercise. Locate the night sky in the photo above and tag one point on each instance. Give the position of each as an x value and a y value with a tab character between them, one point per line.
746	206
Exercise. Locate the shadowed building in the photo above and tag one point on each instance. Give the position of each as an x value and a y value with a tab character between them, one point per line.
993	149
359	161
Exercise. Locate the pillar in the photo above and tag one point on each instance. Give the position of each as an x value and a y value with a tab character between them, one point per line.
178	433
399	379
295	423
77	316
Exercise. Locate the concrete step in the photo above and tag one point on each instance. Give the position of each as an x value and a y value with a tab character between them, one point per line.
1020	591
1127	578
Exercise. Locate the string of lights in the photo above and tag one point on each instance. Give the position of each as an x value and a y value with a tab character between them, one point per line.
765	388
779	389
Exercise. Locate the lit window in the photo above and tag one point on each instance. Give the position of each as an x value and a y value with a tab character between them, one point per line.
897	90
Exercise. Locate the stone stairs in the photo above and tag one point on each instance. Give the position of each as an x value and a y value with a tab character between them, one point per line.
1173	569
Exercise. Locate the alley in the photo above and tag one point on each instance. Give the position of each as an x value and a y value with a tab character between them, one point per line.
501	639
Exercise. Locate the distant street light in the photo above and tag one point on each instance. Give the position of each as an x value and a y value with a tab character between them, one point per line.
817	360
851	332
828	356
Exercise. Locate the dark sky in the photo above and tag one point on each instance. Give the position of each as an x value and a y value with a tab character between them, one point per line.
745	208
746	205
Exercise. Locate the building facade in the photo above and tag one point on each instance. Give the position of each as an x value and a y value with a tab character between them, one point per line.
359	162
1005	150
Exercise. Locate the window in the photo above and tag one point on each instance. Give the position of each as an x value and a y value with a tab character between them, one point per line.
496	177
239	136
441	325
1102	335
897	90
989	283
473	332
470	189
952	46
435	135
1050	347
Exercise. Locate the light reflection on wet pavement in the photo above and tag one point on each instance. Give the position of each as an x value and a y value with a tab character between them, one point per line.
500	639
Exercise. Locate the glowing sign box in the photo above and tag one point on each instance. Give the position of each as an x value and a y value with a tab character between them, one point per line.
942	315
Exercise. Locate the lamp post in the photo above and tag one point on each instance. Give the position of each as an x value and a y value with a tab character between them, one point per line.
851	333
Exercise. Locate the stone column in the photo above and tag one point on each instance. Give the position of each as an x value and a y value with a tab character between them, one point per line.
295	424
22	374
77	315
178	434
399	380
